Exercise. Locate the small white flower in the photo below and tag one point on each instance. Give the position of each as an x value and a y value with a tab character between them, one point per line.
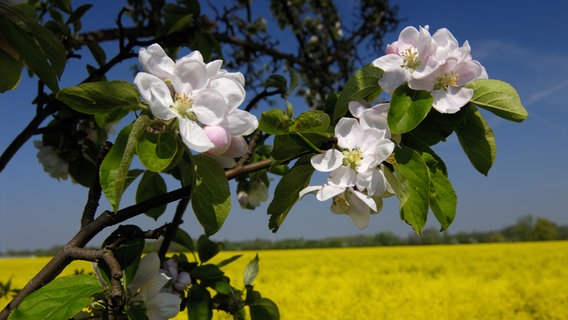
256	194
51	161
146	287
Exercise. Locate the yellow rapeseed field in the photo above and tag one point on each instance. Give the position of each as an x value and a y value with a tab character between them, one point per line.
485	281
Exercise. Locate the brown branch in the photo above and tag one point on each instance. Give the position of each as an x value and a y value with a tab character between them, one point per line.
95	191
173	227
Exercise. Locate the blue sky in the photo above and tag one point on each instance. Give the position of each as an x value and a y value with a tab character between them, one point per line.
524	45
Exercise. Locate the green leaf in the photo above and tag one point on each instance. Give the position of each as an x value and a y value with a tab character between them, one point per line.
157	150
498	97
229	260
181	24
11	72
60	299
78	13
290	146
207	273
251	271
101	97
408	108
82	171
199	303
211	197
412	172
151	186
276	81
477	140
222	288
207	249
312	121
287	191
30	52
437	126
97	52
364	84
264	309
115	166
294	80
183	238
274	121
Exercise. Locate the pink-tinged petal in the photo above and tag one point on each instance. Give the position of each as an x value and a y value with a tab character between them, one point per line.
157	93
213	67
220	138
328	191
451	100
445	41
308	190
241	123
349	133
343	177
154	60
231	90
356	108
193	136
468	71
389	62
237	148
189	75
327	161
209	107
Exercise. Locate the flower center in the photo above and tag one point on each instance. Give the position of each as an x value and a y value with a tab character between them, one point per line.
183	106
448	79
410	56
352	158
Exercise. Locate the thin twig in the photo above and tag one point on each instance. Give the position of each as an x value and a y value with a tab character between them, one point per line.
176	222
95	191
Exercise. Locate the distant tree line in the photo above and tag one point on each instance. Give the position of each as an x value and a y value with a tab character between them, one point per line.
527	228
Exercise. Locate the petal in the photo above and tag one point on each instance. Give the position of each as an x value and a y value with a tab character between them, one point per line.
375	117
451	100
237	148
309	189
327	192
241	123
231	90
213	67
349	133
193	136
327	161
189	75
383	150
154	60
209	107
149	266
343	177
157	93
220	138
393	78
163	306
356	108
359	210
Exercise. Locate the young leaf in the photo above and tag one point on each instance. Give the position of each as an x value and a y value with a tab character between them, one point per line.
115	166
408	108
11	72
157	150
362	85
251	271
477	140
276	81
294	80
151	185
229	260
274	121
264	309
312	121
62	298
290	146
412	171
211	197
498	97
207	273
287	191
78	13
101	97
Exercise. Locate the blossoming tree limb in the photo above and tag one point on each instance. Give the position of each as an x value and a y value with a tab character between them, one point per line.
183	118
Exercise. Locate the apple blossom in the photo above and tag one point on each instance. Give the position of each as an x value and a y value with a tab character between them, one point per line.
146	288
51	160
256	193
180	279
197	95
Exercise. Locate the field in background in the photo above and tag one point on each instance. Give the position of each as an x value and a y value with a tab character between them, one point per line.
486	281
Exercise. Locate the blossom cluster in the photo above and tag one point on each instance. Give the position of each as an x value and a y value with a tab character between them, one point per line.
356	181
435	63
202	97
